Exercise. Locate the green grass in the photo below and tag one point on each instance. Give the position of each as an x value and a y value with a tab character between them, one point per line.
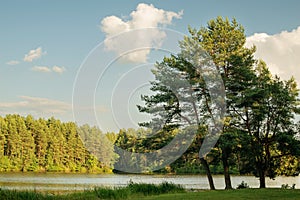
164	191
255	194
12	195
132	190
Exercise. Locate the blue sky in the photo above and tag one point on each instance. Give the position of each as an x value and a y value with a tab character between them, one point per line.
44	43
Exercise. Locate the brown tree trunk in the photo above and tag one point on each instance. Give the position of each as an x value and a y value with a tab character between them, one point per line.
227	179
208	173
262	178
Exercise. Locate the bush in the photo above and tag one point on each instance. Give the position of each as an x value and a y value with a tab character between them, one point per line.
243	185
286	186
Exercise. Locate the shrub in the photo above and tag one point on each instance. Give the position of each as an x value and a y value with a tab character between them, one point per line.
286	186
243	185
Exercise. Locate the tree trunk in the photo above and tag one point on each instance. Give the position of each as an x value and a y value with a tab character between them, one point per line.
262	178
228	185
262	181
208	173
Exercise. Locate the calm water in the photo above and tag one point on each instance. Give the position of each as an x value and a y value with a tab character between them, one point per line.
54	181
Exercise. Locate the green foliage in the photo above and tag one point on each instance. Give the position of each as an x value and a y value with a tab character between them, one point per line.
221	42
42	145
137	141
5	164
98	145
266	114
259	128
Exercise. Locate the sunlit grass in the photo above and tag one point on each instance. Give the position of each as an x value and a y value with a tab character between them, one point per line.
164	191
131	190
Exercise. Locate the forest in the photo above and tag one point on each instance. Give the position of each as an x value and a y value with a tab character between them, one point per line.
259	136
40	145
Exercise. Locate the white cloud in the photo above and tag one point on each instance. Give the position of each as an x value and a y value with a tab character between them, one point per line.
145	16
36	106
33	54
41	69
13	62
46	69
280	52
58	69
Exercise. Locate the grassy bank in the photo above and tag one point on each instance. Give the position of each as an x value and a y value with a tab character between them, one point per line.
132	190
164	191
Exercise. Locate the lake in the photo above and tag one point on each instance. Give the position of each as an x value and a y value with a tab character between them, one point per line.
71	182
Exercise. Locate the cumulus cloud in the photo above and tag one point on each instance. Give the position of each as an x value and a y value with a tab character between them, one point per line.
145	16
13	62
41	69
46	69
36	106
58	69
280	52
33	54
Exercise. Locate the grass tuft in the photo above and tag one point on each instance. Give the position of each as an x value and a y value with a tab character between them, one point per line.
152	189
21	195
137	189
116	193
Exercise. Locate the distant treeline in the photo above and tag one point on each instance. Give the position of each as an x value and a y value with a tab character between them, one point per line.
39	145
27	144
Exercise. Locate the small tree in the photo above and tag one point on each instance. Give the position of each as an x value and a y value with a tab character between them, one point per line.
267	113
